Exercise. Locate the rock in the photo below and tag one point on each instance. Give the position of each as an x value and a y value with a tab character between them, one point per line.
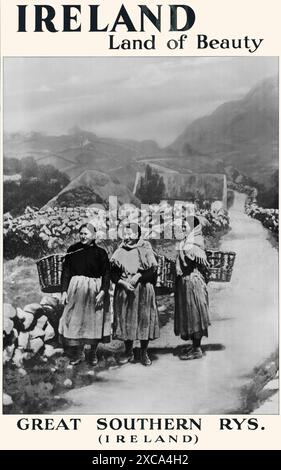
8	325
23	340
45	230
8	353
162	308
91	373
49	332
67	383
9	311
25	317
49	301
49	350
7	400
34	309
59	351
37	333
51	242
43	236
57	296
18	357
42	322
36	344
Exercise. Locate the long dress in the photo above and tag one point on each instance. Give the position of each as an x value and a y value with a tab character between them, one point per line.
191	302
135	313
86	271
191	294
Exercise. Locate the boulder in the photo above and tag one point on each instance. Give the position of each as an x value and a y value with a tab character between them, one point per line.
34	309
49	332
67	383
49	350
25	318
7	400
37	333
49	301
18	357
43	236
8	353
42	322
36	344
8	325
23	340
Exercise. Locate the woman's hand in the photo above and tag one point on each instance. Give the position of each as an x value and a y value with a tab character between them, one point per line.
99	299
127	285
64	298
135	279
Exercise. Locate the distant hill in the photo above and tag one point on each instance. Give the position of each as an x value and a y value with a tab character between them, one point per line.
242	133
78	150
93	187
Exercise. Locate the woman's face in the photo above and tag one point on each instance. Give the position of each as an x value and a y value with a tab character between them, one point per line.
86	236
129	235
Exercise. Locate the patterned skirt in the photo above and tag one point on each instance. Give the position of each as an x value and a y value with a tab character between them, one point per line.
191	306
135	313
81	322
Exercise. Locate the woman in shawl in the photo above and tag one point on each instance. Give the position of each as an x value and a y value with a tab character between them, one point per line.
134	271
84	284
191	295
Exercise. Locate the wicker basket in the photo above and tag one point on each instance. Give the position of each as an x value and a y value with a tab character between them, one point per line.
221	265
49	270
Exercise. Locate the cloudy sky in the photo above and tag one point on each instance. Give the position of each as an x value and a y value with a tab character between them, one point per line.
139	98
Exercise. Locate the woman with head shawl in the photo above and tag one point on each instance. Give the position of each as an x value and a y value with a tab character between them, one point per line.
84	284
134	271
191	295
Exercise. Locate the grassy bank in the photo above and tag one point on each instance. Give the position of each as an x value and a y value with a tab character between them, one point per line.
253	394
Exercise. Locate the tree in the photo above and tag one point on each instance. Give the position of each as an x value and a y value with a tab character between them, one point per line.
151	188
39	184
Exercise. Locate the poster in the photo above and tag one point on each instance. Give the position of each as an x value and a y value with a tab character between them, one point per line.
104	94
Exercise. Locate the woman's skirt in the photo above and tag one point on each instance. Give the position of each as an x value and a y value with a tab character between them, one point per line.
81	322
191	306
135	313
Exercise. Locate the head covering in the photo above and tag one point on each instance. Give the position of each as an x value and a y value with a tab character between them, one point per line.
145	254
136	229
192	247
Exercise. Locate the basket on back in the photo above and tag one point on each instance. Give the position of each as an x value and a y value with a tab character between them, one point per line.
221	265
49	271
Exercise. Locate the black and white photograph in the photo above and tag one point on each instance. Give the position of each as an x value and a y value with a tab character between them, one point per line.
140	235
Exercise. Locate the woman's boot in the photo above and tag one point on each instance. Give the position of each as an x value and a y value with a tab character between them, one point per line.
128	356
93	358
145	359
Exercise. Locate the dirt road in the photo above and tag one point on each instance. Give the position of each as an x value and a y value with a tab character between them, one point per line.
244	332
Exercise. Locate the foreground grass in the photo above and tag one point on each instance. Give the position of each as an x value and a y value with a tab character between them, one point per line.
21	282
253	394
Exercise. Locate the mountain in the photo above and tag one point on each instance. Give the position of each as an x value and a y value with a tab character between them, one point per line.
93	187
77	150
242	133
